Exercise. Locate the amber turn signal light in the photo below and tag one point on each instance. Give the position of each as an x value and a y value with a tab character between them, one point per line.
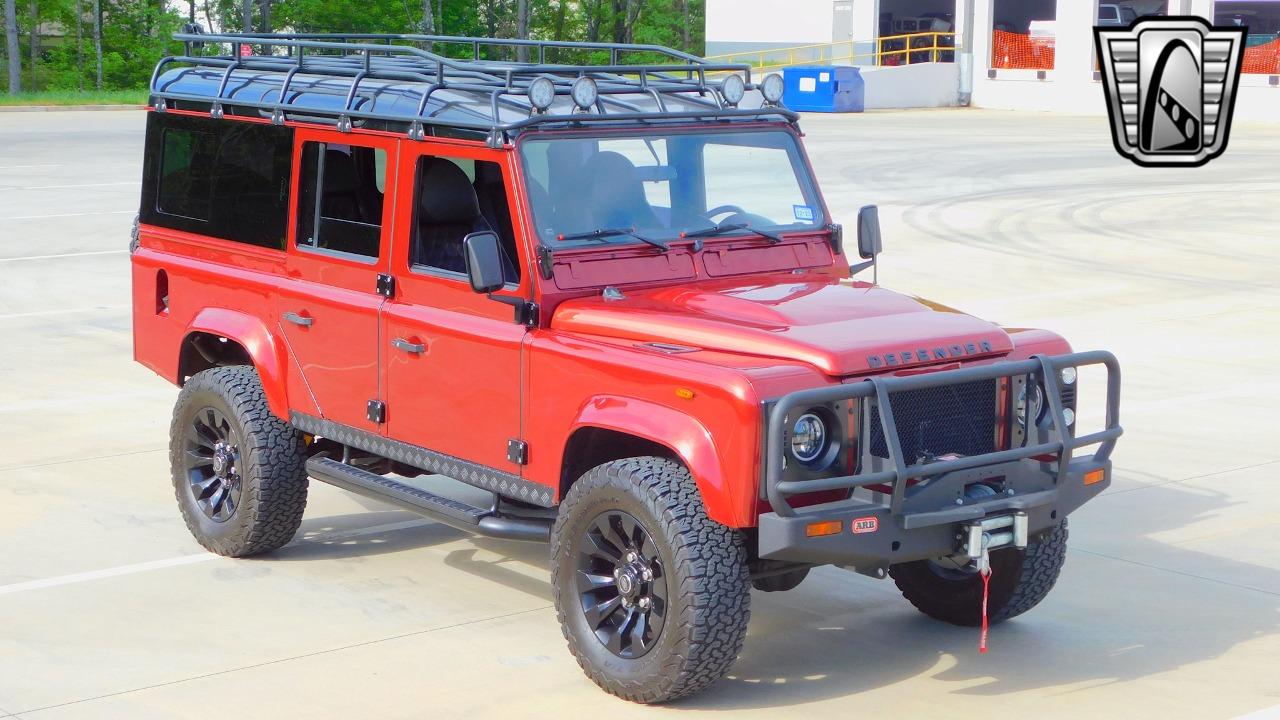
1095	476
818	529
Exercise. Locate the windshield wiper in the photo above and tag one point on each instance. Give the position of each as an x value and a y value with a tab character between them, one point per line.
603	233
773	238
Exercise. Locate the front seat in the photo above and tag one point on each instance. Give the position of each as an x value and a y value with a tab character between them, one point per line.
617	193
448	211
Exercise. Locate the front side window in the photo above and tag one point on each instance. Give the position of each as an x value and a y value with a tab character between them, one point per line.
660	186
455	197
340	199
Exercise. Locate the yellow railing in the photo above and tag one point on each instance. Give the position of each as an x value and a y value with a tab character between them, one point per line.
890	50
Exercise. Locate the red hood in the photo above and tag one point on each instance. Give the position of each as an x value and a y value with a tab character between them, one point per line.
839	328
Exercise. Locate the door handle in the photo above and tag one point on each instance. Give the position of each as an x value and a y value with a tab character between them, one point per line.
409	347
299	320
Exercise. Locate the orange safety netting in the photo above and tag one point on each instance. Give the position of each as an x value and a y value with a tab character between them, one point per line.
1016	50
1262	59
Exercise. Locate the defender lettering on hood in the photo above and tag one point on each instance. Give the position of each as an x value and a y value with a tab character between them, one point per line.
923	355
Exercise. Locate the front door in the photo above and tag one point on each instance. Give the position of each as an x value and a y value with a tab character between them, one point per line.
452	367
340	243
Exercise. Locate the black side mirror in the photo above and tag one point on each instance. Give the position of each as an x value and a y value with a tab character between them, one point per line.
869	232
484	262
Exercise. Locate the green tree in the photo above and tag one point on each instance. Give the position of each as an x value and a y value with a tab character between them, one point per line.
134	34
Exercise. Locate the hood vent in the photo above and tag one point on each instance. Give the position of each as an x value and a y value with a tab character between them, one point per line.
668	348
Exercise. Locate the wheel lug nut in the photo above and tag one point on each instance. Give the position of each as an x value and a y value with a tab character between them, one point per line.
647	574
645	603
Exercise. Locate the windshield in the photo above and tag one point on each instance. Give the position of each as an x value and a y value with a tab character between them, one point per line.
658	186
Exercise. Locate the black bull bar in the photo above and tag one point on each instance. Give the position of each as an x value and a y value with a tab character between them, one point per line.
915	511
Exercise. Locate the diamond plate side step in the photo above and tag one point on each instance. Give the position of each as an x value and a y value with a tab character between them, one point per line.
436	507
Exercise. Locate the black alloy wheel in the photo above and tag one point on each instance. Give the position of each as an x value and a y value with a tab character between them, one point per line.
621	584
212	462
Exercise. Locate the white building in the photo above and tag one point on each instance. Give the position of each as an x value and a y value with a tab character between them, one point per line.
1012	54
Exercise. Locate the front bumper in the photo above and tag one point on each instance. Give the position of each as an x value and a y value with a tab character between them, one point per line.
922	510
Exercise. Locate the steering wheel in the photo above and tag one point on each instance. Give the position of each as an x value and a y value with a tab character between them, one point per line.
722	210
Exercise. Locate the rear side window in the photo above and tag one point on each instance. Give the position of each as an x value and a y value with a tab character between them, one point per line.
186	173
219	178
340	198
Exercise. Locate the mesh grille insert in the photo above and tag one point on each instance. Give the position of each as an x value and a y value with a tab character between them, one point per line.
957	419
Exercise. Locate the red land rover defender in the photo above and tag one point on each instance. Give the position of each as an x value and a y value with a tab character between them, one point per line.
610	294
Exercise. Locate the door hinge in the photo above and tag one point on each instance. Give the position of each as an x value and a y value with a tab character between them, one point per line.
518	452
376	411
386	286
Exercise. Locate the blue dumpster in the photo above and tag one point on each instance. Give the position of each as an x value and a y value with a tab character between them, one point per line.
823	89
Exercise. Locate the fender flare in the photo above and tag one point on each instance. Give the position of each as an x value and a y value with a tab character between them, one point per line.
683	434
264	348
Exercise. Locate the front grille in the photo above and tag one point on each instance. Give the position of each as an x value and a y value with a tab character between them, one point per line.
937	421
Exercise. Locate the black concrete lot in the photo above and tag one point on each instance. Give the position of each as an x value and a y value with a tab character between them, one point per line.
1169	605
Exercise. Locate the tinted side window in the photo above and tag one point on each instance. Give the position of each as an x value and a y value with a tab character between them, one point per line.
455	197
340	198
220	178
186	173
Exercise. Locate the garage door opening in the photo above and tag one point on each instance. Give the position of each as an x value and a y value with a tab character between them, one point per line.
1024	34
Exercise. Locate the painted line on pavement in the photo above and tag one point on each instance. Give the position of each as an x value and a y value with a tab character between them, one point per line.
277	661
67	215
77	185
63	255
72	311
1271	713
142	567
26	167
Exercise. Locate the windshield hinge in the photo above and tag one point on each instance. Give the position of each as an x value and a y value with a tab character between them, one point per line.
544	262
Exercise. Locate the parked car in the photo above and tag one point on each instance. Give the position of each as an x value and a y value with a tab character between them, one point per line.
613	298
1110	14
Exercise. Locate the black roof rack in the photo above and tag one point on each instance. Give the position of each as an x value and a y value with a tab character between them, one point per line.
393	81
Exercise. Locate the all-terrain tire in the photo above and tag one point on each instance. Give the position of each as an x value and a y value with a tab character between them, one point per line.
1020	579
272	475
705	572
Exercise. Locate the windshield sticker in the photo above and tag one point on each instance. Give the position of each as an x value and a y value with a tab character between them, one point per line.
803	212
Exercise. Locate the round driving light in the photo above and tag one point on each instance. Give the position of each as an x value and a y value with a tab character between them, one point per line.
733	89
772	88
808	438
1069	415
585	92
1028	407
542	92
1068	376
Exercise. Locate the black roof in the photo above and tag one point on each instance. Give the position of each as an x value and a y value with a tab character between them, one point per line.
393	82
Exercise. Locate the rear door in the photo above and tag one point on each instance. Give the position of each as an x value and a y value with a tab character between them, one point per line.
339	245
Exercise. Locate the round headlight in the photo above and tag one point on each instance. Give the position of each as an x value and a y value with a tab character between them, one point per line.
585	92
771	87
1070	416
1068	376
733	89
808	438
1028	406
542	92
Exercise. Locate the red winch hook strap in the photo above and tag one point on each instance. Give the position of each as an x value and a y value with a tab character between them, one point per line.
986	586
